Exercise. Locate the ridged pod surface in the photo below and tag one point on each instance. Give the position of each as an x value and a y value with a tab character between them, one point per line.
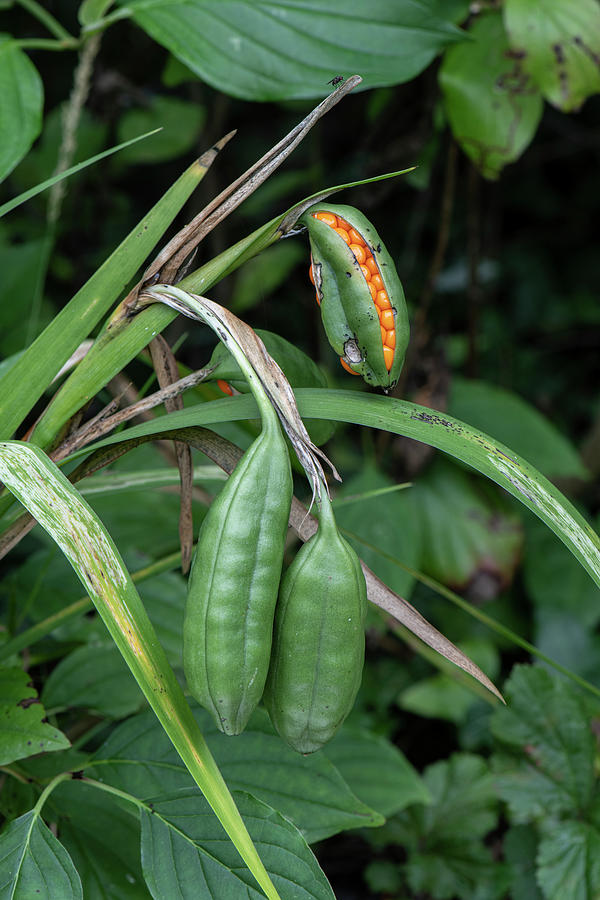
234	581
318	642
360	295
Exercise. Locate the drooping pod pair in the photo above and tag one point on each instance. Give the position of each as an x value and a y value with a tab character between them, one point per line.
318	642
359	293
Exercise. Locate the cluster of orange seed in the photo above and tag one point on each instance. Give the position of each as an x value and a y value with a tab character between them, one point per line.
370	270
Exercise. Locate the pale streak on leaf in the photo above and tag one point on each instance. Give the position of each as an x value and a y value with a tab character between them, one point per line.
80	537
553	509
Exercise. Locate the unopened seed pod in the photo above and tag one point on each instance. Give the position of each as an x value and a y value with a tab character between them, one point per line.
318	641
359	293
234	583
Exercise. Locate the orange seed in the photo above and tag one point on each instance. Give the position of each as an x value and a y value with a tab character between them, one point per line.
386	318
343	234
328	218
359	252
347	367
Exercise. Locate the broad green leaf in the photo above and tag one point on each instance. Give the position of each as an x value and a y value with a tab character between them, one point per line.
28	377
377	772
559	41
21	103
264	275
463	800
184	854
452	10
471	537
456	438
102	836
520	847
569	861
33	863
568	642
444	697
16	798
180	121
546	725
21	264
92	10
93	677
385	523
457	869
23	732
493	107
554	581
54	502
510	419
443	840
308	790
285	49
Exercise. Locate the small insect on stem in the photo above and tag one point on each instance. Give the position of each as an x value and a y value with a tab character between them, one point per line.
336	80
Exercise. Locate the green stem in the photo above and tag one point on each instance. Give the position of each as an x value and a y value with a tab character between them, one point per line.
64	776
47	19
14	774
47	44
109	789
41	629
103	23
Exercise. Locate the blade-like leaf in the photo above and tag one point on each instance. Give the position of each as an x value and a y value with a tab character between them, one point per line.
21	102
456	438
23	732
57	506
507	417
28	377
284	49
44	185
33	863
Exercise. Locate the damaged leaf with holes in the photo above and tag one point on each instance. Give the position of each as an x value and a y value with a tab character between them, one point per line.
492	103
558	42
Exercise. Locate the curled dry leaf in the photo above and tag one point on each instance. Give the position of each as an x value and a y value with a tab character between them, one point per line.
243	342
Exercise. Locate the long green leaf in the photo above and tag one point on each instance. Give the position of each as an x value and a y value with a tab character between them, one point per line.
43	185
26	380
60	510
456	438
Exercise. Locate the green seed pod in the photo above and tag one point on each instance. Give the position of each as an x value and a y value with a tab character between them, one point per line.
318	642
361	298
234	582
